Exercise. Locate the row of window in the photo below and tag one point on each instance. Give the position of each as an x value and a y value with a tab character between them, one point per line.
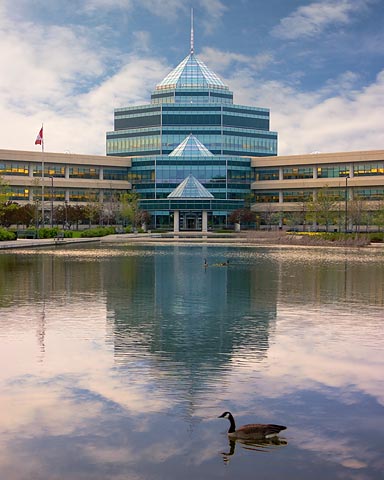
333	171
189	160
59	194
248	144
337	194
58	171
231	142
131	144
213	143
177	173
326	171
293	173
167	204
197	100
196	119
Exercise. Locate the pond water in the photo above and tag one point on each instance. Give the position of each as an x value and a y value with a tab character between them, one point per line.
117	360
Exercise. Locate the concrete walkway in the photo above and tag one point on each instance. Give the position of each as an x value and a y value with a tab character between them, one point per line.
43	242
244	238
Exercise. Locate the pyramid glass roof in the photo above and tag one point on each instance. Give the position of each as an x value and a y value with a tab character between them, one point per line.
190	188
191	147
191	73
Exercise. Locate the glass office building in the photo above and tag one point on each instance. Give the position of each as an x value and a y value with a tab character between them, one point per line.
191	127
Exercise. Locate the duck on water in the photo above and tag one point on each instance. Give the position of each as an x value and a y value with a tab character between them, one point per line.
252	430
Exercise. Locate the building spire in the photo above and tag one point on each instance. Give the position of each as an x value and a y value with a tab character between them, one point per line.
192	40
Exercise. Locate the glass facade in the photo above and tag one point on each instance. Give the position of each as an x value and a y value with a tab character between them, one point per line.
223	130
83	195
191	100
266	196
13	168
50	170
84	172
297	196
333	171
368	169
292	173
224	177
18	193
372	194
115	174
261	174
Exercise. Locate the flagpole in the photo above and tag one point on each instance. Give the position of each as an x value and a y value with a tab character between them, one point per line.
42	177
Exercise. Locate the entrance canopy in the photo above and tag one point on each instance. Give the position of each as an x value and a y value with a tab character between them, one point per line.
190	188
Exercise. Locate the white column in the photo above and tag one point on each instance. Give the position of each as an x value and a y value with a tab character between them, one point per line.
205	221
176	221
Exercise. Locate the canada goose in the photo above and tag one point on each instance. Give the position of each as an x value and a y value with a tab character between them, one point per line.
252	430
222	264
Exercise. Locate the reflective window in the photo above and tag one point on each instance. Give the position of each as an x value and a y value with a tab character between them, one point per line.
13	168
266	174
332	171
191	72
297	172
369	193
50	170
297	196
80	195
18	193
84	172
266	197
115	174
365	169
133	145
57	194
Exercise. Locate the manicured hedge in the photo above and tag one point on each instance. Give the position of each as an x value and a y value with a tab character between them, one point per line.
377	237
97	232
6	235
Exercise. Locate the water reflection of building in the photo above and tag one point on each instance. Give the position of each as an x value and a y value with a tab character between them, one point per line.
190	320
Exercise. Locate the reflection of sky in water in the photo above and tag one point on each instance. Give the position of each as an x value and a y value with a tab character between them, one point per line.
116	361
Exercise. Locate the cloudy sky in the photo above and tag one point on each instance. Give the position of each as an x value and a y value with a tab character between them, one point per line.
317	65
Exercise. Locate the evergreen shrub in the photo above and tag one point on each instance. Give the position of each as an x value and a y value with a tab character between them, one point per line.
6	235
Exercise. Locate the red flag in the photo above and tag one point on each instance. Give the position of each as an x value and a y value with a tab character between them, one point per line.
39	138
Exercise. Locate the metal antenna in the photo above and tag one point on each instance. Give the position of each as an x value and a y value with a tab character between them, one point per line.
192	46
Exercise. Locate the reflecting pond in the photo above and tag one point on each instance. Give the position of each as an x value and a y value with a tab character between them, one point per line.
116	361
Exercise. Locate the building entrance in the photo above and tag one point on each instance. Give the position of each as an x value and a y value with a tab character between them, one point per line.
190	221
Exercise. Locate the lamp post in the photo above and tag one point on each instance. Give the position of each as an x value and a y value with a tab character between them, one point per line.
51	201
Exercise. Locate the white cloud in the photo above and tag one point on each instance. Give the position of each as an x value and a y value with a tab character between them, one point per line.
92	5
334	118
214	11
167	9
311	20
220	61
142	41
66	77
58	75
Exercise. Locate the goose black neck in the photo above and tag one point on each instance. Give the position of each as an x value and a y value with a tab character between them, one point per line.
232	427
